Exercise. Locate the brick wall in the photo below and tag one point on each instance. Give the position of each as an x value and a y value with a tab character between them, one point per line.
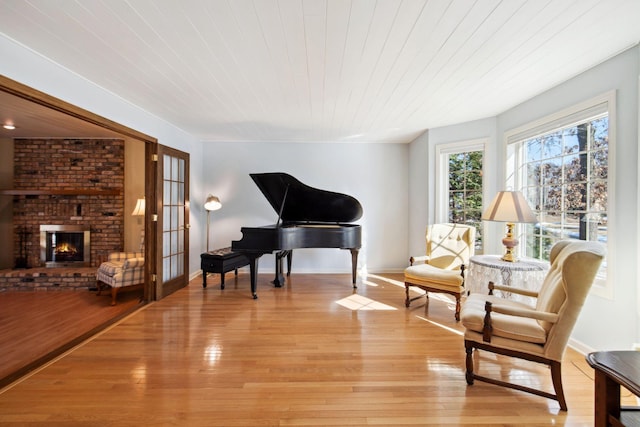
69	164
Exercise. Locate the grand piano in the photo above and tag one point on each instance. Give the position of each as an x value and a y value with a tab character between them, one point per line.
307	218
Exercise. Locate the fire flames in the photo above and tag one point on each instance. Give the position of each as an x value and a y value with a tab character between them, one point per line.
66	249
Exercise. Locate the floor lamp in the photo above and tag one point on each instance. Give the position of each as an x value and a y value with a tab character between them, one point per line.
139	212
211	204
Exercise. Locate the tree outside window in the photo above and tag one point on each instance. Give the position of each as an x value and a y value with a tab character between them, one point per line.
465	191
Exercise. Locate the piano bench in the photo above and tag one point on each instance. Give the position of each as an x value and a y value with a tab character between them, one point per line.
220	261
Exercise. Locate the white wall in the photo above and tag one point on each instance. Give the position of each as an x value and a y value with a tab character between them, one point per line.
32	69
419	192
604	323
375	174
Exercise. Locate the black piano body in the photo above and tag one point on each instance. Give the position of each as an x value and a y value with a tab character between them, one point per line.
307	218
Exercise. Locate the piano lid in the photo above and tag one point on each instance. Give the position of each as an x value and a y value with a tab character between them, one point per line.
303	203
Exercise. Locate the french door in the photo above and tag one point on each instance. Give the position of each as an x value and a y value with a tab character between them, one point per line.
172	231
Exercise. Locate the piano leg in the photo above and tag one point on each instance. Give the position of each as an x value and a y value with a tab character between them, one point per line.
253	268
278	281
354	265
289	260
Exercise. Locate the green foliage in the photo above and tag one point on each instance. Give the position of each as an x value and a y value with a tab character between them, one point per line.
465	190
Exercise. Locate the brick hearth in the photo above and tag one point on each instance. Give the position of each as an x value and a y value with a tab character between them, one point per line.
48	279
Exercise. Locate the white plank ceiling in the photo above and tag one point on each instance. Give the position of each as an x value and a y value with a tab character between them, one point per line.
323	70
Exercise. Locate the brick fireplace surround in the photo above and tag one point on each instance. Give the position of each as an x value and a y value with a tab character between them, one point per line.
78	182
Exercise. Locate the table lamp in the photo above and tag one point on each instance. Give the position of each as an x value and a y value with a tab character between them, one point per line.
211	204
509	207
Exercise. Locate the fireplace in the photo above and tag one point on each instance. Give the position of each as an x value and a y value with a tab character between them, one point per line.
65	245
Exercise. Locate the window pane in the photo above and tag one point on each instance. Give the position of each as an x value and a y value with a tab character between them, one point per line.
174	169
598	166
474	180
599	197
575	197
166	269
456	181
166	219
550	171
457	200
533	173
534	149
572	168
551	198
571	145
167	168
552	146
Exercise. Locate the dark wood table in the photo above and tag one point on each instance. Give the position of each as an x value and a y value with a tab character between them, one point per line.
221	261
612	370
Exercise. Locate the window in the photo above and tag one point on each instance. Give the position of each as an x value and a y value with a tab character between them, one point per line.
562	169
566	185
461	186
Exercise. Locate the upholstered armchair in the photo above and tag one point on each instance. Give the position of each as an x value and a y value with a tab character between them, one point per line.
540	332
441	270
122	269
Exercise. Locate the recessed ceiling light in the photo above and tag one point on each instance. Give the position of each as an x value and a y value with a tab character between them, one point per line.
9	126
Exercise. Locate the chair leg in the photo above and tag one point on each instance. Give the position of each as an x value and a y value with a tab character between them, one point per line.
469	362
457	308
555	366
407	301
556	377
114	293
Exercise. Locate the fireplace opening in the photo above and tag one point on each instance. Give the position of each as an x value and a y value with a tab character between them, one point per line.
65	245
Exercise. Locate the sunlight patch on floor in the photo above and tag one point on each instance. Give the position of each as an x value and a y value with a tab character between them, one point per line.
358	302
382	279
440	325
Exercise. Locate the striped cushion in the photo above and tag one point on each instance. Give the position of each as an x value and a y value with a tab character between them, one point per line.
121	271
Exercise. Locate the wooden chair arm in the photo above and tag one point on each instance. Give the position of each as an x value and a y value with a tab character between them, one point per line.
422	258
519	291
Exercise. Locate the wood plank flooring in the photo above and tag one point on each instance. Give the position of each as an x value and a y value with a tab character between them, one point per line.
313	353
37	326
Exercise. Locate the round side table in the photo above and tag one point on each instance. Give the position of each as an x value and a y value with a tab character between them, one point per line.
527	273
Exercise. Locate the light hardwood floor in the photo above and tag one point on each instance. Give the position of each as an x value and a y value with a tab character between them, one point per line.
313	353
37	326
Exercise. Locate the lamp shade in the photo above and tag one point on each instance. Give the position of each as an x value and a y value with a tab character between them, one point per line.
139	209
509	206
212	203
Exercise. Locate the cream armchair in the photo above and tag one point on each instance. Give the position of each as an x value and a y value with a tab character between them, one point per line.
535	333
449	247
122	269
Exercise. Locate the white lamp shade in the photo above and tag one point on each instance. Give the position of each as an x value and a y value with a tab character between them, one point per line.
509	206
139	209
212	203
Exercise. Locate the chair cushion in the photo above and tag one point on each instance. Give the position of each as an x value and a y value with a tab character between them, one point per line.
428	275
510	327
